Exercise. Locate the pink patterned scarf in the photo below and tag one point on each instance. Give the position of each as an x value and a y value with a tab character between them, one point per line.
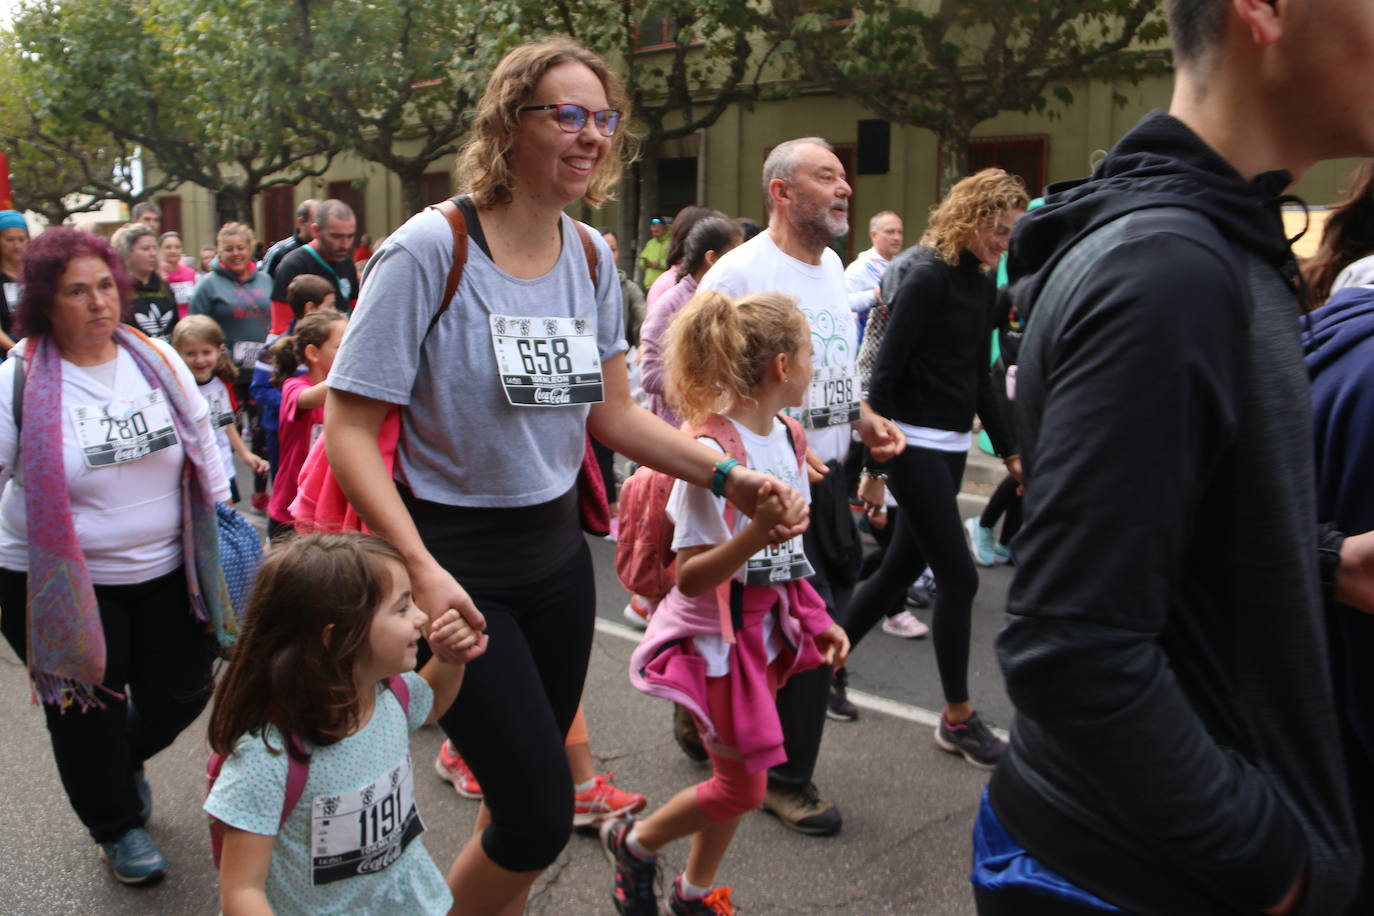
66	651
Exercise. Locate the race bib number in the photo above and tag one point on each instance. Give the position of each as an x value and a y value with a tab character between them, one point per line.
181	290
221	413
833	398
547	362
778	563
124	431
246	353
362	832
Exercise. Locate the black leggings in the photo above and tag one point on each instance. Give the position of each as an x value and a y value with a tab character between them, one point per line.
1006	502
519	698
928	530
158	655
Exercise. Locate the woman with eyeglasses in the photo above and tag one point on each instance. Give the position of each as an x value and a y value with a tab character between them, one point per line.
498	388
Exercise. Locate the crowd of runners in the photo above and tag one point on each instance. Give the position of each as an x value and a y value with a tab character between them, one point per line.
432	426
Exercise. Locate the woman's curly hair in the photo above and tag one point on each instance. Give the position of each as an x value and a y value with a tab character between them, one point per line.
483	167
971	206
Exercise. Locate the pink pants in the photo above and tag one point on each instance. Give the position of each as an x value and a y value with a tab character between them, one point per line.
732	790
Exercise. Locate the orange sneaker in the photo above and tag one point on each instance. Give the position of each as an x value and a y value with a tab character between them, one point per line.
603	801
716	903
453	769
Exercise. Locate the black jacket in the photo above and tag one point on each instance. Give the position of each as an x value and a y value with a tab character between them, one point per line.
933	368
1175	748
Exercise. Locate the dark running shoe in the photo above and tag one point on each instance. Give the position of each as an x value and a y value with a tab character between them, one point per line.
839	707
971	738
716	903
635	892
686	735
803	810
133	859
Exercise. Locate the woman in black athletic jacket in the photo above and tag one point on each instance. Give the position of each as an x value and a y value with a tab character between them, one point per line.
931	376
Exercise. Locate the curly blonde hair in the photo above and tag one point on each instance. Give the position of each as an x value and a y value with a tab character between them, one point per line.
716	351
483	167
972	205
232	229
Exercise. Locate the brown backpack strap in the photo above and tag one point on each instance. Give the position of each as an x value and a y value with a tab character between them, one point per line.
589	250
454	214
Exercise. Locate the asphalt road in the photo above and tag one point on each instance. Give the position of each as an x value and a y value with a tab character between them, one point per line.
908	807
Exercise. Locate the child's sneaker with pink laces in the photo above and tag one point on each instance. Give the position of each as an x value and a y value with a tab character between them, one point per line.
453	769
603	802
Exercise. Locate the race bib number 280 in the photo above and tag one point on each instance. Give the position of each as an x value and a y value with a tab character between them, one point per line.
123	431
547	362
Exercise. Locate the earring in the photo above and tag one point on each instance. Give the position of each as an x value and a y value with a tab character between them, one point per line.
786	379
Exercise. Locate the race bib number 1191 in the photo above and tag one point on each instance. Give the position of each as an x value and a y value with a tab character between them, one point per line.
547	362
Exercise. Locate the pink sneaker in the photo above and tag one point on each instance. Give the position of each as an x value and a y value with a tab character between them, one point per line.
453	769
603	801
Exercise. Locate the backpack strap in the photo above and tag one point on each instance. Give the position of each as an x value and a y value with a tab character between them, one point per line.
459	226
589	250
797	436
297	771
397	685
17	395
728	599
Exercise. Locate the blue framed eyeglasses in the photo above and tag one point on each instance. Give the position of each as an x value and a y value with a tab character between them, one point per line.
572	118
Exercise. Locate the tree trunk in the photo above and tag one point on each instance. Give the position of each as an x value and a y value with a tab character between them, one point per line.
630	232
234	204
953	156
412	190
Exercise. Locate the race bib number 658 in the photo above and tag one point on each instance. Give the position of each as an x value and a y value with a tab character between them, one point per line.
547	362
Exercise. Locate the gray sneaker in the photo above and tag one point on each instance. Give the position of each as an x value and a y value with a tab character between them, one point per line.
133	859
971	738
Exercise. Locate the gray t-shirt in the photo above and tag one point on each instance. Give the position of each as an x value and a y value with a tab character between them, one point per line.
462	442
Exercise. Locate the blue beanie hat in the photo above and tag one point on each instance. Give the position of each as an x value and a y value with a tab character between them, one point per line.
12	219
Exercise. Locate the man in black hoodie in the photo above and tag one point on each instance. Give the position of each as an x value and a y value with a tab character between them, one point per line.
1175	749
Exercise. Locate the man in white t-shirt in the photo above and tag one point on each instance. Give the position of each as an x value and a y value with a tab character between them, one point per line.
864	274
807	199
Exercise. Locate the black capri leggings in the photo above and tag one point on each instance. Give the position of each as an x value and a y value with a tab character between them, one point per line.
1005	501
926	485
538	594
157	656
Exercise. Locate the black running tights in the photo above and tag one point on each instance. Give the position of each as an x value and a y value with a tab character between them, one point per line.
1005	504
926	485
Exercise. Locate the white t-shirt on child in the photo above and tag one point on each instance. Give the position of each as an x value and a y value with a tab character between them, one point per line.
698	518
216	394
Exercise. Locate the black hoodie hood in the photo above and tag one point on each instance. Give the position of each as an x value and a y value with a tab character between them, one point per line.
1160	163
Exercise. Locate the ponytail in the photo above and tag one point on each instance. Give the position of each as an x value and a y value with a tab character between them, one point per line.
716	351
716	233
289	351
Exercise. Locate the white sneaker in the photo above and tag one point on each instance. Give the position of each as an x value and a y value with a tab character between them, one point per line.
636	612
904	625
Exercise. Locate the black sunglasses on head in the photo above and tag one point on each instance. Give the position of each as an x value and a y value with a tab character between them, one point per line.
572	118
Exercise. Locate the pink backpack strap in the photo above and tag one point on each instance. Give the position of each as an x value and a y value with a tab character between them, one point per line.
297	771
797	435
397	685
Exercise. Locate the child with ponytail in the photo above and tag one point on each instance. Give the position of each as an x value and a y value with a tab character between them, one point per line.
313	345
742	618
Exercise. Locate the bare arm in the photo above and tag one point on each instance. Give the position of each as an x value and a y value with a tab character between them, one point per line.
256	464
702	568
313	396
243	873
351	424
453	633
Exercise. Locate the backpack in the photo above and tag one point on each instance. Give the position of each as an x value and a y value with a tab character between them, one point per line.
644	545
296	773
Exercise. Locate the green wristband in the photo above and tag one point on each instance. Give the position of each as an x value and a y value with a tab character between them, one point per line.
723	468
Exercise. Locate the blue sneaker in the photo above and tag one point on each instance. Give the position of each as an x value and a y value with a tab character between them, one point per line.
133	859
980	542
1004	554
145	794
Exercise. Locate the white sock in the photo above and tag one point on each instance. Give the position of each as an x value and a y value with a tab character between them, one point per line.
639	849
689	891
584	786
